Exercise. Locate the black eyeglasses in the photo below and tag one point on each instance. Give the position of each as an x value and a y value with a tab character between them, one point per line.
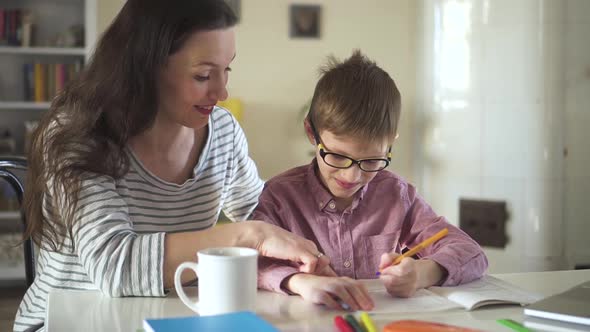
337	160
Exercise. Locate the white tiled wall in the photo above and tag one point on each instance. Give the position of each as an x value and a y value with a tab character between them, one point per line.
495	126
577	134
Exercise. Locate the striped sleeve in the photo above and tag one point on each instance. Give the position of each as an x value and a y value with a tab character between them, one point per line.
244	183
117	260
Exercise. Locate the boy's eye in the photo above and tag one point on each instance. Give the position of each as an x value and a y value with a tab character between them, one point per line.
200	78
339	158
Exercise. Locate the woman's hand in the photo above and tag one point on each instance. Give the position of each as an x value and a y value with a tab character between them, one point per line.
269	240
275	242
405	278
330	291
327	272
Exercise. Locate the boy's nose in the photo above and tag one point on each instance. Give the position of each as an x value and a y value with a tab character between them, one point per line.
352	174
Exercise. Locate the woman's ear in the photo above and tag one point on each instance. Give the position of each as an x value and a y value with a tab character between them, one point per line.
309	132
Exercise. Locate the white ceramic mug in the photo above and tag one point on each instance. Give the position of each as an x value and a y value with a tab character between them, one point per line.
227	280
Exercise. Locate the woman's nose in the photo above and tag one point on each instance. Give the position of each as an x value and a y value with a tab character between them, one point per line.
218	90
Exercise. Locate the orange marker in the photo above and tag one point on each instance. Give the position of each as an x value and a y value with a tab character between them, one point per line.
417	248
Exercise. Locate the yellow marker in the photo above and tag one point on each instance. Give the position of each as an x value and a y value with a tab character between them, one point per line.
368	322
418	248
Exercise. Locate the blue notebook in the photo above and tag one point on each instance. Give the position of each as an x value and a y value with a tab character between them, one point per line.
237	321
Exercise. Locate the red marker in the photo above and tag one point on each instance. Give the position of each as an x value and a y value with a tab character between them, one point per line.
342	325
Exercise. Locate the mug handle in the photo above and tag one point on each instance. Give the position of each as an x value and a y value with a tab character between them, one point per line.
194	306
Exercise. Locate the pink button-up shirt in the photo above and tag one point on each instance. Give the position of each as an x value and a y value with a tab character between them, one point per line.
386	215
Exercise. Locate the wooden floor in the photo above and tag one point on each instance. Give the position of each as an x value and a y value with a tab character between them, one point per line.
9	301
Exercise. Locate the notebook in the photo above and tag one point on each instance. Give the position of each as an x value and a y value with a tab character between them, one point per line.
571	306
237	321
485	291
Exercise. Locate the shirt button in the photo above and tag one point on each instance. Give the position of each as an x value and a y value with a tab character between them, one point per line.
332	205
321	204
346	264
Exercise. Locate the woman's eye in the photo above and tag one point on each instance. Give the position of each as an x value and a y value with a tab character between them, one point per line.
200	78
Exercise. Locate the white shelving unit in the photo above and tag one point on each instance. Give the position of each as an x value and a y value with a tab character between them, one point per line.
80	51
50	18
9	215
23	105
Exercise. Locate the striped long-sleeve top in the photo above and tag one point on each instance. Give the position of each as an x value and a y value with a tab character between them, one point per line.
118	242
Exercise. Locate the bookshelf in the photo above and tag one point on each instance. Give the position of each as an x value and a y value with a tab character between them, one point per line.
63	33
24	105
80	51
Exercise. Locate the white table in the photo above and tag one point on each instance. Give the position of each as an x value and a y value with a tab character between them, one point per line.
93	311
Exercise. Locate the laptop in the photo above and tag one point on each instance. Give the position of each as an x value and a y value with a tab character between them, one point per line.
551	325
571	306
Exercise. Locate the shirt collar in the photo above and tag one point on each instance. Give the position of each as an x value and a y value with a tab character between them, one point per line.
321	195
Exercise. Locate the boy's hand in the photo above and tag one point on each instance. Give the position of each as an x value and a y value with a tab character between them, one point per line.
405	278
400	280
330	290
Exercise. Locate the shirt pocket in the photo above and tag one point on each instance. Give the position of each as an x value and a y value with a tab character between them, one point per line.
375	246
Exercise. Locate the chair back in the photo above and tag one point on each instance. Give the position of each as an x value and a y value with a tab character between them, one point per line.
8	165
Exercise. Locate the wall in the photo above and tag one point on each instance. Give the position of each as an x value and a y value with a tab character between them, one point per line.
503	99
106	10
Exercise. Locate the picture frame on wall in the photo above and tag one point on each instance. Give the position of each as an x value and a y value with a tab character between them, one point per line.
304	21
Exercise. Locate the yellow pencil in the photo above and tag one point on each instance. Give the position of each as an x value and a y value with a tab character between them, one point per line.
368	322
418	248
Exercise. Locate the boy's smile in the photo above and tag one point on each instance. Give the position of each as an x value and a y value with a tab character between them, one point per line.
346	185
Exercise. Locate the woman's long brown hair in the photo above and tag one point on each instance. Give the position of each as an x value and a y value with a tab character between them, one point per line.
114	98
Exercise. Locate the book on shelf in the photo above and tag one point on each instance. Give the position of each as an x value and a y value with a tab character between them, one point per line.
26	29
39	74
2	28
483	292
28	81
237	321
43	81
15	27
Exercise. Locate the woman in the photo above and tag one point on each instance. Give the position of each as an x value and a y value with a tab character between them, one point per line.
133	164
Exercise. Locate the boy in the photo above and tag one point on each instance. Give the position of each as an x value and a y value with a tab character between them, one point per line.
356	212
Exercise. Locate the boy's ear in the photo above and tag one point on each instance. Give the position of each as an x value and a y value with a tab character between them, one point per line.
309	132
